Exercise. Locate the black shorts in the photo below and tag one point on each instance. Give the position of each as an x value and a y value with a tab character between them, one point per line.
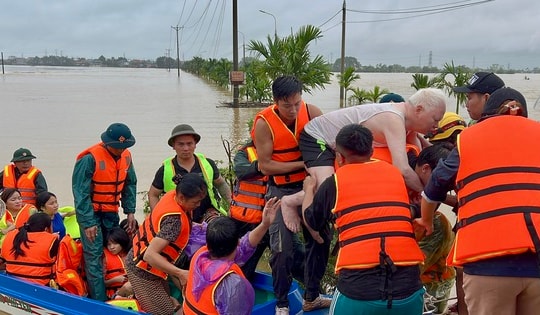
315	152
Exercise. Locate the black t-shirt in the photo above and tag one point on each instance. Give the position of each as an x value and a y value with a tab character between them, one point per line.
206	203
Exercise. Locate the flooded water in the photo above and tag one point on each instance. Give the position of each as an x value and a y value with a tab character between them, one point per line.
57	112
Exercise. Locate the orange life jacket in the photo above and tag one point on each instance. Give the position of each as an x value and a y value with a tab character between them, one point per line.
206	303
383	153
285	141
24	214
498	190
113	266
69	266
248	196
166	206
36	265
373	217
25	184
109	177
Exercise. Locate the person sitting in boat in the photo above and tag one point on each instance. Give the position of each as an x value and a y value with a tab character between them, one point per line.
116	249
385	278
30	252
159	242
17	210
6	222
22	175
47	202
216	284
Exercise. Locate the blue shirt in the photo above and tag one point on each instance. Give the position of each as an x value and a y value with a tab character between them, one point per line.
58	225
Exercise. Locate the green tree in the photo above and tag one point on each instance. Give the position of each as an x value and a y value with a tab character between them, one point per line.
348	77
422	81
291	56
359	96
349	62
375	94
452	76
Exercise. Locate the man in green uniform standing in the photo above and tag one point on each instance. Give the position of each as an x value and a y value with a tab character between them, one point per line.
103	178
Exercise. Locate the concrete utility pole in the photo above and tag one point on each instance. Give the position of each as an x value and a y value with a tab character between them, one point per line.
168	54
236	90
341	88
177	28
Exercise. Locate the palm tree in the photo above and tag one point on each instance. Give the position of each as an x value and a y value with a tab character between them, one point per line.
291	56
422	81
348	77
460	75
359	96
375	94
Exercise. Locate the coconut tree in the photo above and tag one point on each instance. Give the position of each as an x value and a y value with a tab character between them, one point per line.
348	77
291	56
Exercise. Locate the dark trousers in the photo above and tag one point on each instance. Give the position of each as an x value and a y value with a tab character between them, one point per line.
290	259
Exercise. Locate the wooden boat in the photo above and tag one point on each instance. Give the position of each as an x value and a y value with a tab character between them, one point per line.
21	297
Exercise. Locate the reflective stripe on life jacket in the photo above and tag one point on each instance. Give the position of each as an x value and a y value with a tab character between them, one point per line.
375	222
166	206
24	214
206	303
498	189
36	265
285	141
109	177
25	184
248	196
4	223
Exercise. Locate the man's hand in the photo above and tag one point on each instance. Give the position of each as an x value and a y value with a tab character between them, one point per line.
422	228
132	224
91	233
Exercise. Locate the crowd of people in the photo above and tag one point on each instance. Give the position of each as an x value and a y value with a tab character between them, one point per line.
374	175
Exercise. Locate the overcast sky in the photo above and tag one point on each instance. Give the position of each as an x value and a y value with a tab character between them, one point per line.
505	32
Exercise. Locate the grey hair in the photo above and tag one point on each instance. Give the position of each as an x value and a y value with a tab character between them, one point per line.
429	98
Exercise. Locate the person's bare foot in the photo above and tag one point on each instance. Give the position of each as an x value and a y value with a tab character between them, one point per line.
290	214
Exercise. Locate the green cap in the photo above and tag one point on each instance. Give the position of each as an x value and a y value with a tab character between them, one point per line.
22	154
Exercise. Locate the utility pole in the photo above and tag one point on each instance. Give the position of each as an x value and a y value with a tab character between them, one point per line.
341	88
168	54
177	48
236	91
2	63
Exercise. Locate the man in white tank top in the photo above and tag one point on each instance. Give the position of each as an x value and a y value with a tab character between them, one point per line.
393	125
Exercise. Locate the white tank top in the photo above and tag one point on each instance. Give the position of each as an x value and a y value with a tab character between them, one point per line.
327	126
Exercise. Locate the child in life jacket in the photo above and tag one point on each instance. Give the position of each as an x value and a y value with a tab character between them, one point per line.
118	244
